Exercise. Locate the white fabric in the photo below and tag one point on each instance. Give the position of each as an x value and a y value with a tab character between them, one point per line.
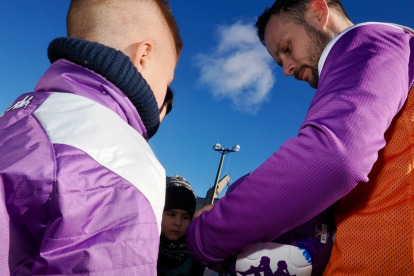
98	131
328	48
296	261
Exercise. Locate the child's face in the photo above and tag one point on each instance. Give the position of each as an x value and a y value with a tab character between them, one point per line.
174	223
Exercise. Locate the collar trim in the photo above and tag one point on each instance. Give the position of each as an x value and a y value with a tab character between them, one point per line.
114	66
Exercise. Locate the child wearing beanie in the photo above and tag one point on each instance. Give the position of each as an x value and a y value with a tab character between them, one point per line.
174	258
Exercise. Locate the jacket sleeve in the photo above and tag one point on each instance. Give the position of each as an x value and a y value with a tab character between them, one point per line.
363	85
26	181
102	217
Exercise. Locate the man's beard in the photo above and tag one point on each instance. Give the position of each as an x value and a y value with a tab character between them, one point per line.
319	42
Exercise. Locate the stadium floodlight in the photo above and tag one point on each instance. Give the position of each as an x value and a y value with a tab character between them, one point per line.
236	148
217	147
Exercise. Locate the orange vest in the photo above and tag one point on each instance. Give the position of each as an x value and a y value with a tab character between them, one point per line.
375	221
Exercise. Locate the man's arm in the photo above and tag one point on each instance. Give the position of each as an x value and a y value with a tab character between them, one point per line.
363	85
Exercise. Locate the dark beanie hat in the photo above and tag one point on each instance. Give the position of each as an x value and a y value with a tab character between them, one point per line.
179	195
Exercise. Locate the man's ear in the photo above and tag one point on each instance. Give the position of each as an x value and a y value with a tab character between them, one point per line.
141	53
317	14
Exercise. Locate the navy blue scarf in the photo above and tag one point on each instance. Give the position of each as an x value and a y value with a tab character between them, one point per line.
116	67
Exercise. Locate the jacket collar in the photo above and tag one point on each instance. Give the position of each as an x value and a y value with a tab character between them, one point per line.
115	67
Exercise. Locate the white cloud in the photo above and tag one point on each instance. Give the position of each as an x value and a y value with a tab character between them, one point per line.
239	68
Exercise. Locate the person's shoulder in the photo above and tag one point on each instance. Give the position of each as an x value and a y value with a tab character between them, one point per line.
374	29
374	37
19	118
25	149
364	36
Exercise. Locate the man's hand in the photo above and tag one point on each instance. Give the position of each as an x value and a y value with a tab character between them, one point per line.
205	208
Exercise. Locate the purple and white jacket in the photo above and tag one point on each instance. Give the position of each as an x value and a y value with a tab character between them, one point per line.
365	75
81	191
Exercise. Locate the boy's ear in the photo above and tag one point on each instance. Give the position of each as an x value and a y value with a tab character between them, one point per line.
142	53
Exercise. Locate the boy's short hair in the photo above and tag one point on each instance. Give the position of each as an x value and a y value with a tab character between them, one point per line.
88	19
172	24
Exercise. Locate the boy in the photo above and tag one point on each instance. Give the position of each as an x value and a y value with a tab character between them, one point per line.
180	203
82	192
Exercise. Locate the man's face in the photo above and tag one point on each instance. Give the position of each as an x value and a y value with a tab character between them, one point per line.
174	223
296	48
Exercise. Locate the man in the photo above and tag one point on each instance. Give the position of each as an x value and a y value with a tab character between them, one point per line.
81	191
355	147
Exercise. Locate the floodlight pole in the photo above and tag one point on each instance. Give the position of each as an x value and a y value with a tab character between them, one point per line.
223	152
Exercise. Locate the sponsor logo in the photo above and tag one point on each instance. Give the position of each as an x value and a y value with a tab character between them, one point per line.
264	267
21	104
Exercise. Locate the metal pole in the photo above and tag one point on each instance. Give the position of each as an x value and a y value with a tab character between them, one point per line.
223	153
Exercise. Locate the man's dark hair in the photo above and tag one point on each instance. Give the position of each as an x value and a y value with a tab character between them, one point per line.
168	101
293	10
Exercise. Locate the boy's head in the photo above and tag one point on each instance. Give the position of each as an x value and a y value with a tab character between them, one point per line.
180	204
144	30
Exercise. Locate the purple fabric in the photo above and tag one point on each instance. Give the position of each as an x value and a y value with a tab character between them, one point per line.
96	217
23	146
65	76
61	213
363	85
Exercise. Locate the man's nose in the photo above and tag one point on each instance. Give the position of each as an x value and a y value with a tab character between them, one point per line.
288	68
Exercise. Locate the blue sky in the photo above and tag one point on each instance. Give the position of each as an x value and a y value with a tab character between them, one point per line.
227	90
